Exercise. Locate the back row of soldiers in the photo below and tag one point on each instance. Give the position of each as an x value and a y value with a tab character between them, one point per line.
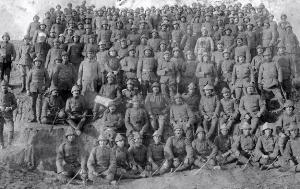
159	69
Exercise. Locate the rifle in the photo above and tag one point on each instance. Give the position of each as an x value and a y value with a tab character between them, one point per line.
251	156
177	168
283	92
202	166
158	168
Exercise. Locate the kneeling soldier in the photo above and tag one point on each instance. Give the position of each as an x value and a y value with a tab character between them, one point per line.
70	158
156	153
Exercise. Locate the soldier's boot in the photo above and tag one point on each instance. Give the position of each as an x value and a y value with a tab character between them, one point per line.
10	137
39	109
1	141
182	167
33	119
23	89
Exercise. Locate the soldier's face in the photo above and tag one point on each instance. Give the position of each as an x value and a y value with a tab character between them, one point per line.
162	47
131	53
220	46
110	79
289	110
4	89
156	139
189	56
42	26
178	132
241	59
176	53
38	63
268	132
102	143
65	58
80	26
144	40
136	104
201	135
260	51
75	93
167	56
226	95
71	138
246	132
90	55
155	90
205	58
112	108
5	38
208	92
228	32
267	57
281	50
76	39
226	56
191	90
147	53
250	90
178	101
52	34
224	132
138	141
54	93
120	143
294	133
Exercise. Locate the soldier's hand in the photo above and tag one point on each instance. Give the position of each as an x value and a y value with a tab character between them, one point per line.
72	117
140	80
64	173
154	166
28	92
206	117
247	116
265	156
95	173
8	109
237	153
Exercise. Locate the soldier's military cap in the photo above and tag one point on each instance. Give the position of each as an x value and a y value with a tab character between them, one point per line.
175	49
102	42
250	84
205	54
220	42
259	47
144	36
87	26
26	37
163	42
36	16
56	40
280	45
178	95
288	26
228	28
131	48
64	53
69	132
226	51
154	31
199	129
223	126
112	49
143	21
110	74
6	34
164	23
4	83
245	125
38	59
289	103
283	15
134	26
178	127
75	88
130	82
267	126
101	137
175	23
267	52
208	87
43	23
58	58
123	39
148	48
192	85
79	23
155	84
119	137
225	90
167	52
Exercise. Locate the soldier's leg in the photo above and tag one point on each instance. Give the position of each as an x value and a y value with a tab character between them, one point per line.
7	70
81	123
206	125
238	92
163	88
33	98
213	128
23	72
172	89
1	133
10	128
287	87
254	124
278	95
165	167
161	123
153	123
39	106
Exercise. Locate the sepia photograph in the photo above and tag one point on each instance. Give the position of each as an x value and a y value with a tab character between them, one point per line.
149	94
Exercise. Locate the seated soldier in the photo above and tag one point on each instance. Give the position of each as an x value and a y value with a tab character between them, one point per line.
102	162
266	149
203	150
245	145
76	110
156	153
229	111
53	108
112	118
156	105
223	147
138	156
70	158
122	156
180	113
252	107
178	152
136	120
109	90
128	93
209	107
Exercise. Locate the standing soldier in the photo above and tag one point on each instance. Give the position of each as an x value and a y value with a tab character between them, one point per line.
242	75
228	40
225	70
206	72
181	114
53	53
53	107
291	42
70	158
136	120
37	83
58	27
154	42
102	162
256	62
112	118
64	77
25	60
129	64
242	50
7	56
76	110
209	108
33	26
287	66
268	36
178	152
8	104
188	70
157	106
204	43
270	77
252	107
74	51
146	70
40	49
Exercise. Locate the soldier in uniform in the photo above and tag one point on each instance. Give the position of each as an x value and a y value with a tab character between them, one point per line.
24	60
204	43
112	118
225	70
102	162
53	53
76	110
33	26
178	152
129	64
74	51
138	156
156	105
229	111
146	70
136	120
71	159
192	99
257	61
8	104
244	145
104	34
155	153
166	70
37	83
7	56
242	50
64	77
154	42
53	107
203	150
206	72
242	75
181	114
188	70
223	144
252	107
268	36
209	108
266	149
291	42
228	40
270	77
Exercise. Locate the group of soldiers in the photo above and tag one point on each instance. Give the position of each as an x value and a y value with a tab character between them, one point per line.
211	75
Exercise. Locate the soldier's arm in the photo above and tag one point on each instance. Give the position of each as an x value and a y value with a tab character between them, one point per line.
139	68
146	125
258	147
14	54
248	55
279	71
168	149
68	107
260	74
28	81
55	76
217	109
120	121
47	79
242	107
128	125
190	114
13	102
48	58
262	105
189	149
80	73
199	72
60	159
212	46
149	154
91	163
233	75
113	161
183	41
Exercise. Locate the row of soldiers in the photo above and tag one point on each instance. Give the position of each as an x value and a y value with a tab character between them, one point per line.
160	69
